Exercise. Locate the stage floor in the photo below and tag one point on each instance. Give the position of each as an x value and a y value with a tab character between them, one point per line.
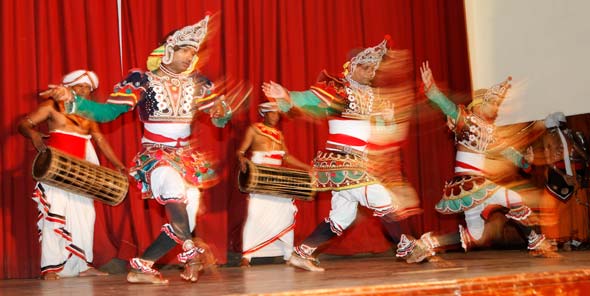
506	272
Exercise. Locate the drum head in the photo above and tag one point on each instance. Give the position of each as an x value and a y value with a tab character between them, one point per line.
244	179
41	164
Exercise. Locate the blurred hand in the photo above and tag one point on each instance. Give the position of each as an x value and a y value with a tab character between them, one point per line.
37	139
274	90
426	74
58	92
218	110
243	165
529	155
121	169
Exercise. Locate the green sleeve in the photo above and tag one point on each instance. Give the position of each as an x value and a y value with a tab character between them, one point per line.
517	158
309	103
100	112
446	106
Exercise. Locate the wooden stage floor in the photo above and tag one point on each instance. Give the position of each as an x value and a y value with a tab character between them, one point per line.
505	272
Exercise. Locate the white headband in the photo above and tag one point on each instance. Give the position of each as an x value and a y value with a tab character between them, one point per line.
79	77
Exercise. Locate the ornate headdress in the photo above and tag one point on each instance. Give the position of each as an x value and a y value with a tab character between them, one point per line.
188	36
370	55
498	91
81	76
268	107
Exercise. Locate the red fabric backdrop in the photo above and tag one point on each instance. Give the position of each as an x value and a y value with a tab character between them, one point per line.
286	41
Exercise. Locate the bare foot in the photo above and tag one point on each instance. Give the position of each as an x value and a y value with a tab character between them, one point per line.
545	254
245	263
303	263
145	278
192	270
92	272
50	276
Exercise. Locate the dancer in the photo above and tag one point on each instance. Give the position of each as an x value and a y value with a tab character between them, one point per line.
358	112
471	191
169	169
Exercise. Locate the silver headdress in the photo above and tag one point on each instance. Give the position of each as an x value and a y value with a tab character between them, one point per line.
191	36
370	55
497	91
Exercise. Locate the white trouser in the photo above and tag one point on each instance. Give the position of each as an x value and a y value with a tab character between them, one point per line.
502	197
344	204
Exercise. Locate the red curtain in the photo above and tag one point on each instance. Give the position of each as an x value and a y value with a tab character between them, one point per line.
285	41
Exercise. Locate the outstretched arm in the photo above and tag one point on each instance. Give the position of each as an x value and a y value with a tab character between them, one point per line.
522	161
75	104
305	100
59	93
435	95
124	98
99	112
276	91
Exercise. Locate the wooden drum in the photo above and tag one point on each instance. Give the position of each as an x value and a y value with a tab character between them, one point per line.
277	181
79	176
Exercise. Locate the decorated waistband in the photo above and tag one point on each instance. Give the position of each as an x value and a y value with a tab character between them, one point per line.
338	171
463	192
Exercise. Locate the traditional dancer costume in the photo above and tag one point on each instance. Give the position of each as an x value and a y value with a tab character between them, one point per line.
270	223
352	110
470	191
168	169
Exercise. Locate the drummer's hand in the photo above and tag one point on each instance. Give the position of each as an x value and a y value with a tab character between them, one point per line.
37	139
58	93
243	164
121	169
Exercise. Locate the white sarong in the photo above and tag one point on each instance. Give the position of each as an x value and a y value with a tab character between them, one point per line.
270	222
66	224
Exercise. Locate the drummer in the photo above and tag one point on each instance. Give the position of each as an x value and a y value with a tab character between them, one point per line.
66	220
270	221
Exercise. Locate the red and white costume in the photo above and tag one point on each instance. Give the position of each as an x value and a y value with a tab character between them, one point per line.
270	224
66	220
